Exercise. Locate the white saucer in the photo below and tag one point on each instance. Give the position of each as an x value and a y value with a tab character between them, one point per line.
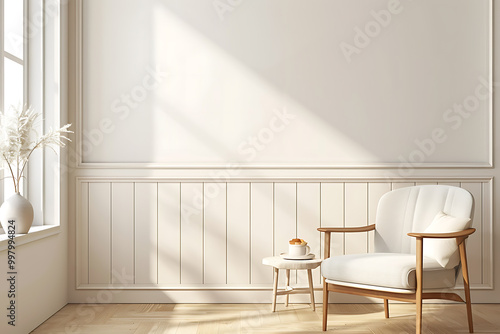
309	256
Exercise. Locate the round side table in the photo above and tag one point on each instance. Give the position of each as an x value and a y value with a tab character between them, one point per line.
279	263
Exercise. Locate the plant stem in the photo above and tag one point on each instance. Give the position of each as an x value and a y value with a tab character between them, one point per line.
17	168
28	158
12	172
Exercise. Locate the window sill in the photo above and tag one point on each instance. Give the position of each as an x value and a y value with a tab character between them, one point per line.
35	233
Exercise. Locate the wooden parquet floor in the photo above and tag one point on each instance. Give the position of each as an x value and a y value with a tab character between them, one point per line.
257	318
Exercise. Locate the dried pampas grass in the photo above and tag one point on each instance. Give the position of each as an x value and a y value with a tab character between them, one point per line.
17	143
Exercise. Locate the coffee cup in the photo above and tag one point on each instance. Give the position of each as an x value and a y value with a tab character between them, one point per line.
298	250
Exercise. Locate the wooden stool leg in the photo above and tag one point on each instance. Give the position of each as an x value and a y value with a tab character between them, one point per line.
275	289
311	288
287	285
386	308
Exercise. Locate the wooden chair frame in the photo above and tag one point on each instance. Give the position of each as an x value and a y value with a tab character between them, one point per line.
416	297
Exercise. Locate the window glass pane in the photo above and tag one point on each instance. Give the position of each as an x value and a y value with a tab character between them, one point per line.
13	33
13	84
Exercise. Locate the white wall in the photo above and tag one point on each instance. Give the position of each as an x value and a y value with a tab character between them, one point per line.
41	282
42	265
219	81
227	79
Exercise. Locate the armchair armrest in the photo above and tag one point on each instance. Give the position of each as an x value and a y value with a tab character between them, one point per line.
460	234
347	229
460	238
328	231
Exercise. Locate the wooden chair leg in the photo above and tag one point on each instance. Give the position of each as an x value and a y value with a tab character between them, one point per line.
419	315
275	289
287	285
325	304
465	274
311	288
418	298
386	308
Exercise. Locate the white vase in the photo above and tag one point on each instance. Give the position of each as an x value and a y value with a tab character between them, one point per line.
19	209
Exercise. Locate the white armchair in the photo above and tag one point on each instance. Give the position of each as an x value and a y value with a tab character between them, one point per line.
404	267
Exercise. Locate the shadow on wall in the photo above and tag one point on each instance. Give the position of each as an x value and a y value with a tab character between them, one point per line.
362	68
364	81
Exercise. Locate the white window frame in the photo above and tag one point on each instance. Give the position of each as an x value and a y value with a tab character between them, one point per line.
43	81
24	63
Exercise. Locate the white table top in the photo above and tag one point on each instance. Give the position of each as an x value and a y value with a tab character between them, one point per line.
280	263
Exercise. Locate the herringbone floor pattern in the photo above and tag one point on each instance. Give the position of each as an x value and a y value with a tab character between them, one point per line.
257	318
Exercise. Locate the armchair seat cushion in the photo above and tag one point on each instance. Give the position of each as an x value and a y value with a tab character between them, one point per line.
386	270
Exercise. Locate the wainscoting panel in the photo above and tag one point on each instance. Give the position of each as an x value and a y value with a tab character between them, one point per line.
146	233
122	230
82	251
375	192
356	199
169	233
261	231
308	220
199	234
99	226
474	249
285	220
332	214
191	237
238	234
215	261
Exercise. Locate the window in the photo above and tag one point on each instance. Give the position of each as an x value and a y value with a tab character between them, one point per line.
13	69
30	73
13	49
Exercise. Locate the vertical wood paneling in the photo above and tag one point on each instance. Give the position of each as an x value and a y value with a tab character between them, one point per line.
215	233
122	232
474	247
356	215
238	233
261	231
192	233
83	235
375	192
332	214
285	220
487	235
99	233
146	233
308	220
169	233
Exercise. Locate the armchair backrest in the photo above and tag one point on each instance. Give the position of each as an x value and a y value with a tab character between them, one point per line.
412	209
